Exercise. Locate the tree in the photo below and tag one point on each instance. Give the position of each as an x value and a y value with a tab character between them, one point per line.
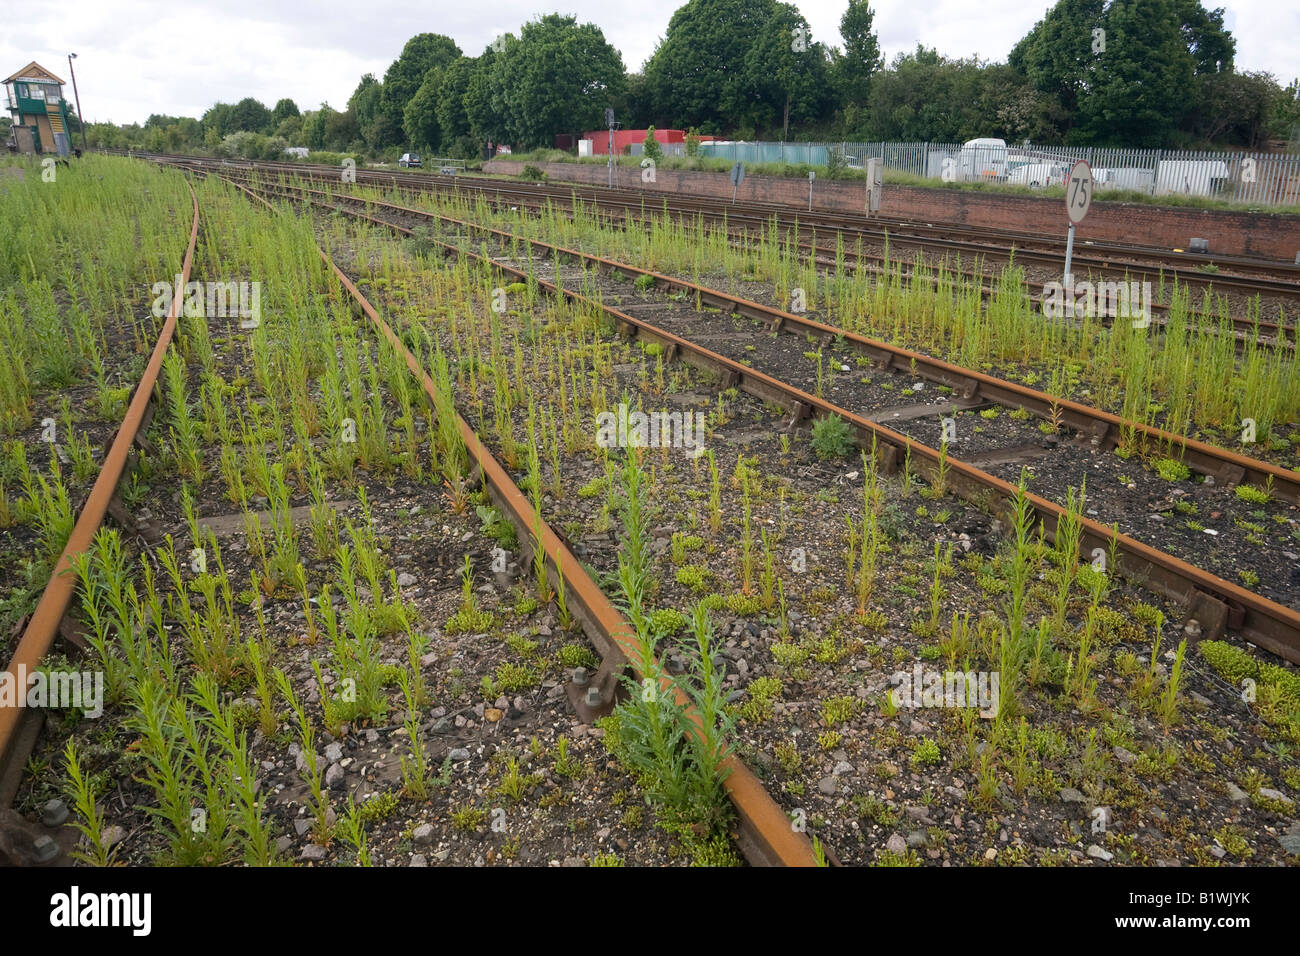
1210	43
249	114
557	77
453	119
422	53
486	123
786	72
861	56
1059	56
1143	79
216	120
420	118
1234	108
284	109
697	74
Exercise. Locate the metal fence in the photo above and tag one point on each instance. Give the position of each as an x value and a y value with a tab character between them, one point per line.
1263	179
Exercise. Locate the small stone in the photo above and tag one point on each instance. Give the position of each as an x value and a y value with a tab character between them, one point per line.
312	851
492	715
405	580
460	721
991	853
1236	794
372	736
113	835
916	839
1278	795
1290	842
1125	756
459	755
419	860
283	843
1097	853
896	843
828	785
423	834
1071	795
335	777
441	726
842	767
301	826
1218	852
334	752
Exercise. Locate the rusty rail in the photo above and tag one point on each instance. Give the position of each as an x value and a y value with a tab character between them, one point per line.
1227	467
20	726
992	242
1216	603
766	835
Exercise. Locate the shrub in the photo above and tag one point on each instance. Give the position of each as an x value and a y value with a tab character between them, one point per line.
532	172
832	437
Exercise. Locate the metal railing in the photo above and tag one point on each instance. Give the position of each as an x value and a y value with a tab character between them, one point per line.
1263	179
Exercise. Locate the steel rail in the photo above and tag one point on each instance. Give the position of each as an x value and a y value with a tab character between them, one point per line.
1103	427
1245	332
1108	257
766	836
18	732
1216	603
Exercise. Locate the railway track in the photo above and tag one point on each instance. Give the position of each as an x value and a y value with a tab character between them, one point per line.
1248	277
20	726
1247	331
1213	602
764	832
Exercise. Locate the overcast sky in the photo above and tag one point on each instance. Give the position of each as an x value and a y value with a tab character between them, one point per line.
137	57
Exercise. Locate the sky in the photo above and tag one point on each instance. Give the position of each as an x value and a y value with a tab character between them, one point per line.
178	57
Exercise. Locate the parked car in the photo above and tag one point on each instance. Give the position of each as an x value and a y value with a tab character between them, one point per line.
410	160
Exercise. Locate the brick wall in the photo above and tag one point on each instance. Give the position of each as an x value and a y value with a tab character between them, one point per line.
1269	235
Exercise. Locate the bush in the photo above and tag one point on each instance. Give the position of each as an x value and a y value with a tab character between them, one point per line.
832	437
651	146
532	172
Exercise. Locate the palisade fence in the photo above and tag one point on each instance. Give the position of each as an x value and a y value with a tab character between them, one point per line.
1263	179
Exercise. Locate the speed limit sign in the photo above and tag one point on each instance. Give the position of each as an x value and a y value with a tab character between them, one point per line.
1078	191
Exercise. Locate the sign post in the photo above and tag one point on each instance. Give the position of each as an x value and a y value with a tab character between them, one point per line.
738	176
609	121
1078	199
811	176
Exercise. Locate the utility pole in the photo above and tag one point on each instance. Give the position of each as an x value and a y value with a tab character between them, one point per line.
81	120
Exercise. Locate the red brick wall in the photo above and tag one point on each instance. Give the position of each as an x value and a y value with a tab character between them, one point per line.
1269	235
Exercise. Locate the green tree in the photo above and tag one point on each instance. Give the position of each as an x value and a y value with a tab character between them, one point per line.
453	119
422	53
249	114
1208	40
651	147
557	77
861	56
786	72
216	120
484	100
1059	56
420	118
284	109
1234	108
1143	78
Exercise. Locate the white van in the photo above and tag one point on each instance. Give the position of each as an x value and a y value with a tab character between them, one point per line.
983	160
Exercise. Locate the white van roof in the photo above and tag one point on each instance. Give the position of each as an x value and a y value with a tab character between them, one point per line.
986	142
